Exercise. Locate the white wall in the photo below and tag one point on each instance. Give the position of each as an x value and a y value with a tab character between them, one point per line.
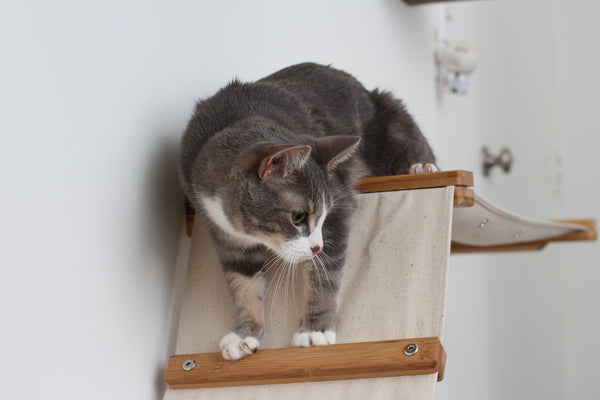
578	43
94	96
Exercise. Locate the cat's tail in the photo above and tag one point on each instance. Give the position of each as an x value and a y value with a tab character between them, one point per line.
392	141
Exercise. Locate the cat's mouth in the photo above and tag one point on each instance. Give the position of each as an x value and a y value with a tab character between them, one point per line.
293	254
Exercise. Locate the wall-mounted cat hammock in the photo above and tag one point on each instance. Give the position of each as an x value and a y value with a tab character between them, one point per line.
392	300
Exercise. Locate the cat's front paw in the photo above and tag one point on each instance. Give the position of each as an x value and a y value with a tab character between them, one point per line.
235	348
420	169
315	338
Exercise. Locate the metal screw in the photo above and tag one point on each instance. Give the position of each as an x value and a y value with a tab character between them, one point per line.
484	222
189	364
411	349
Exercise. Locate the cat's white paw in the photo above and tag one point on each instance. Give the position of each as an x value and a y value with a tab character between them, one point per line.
307	339
420	169
234	347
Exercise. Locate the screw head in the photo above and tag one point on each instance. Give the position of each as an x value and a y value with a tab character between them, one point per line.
189	364
411	349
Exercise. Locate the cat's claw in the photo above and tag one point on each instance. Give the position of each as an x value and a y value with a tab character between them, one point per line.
307	339
235	348
420	169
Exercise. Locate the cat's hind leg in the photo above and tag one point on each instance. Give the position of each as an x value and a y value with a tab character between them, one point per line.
248	293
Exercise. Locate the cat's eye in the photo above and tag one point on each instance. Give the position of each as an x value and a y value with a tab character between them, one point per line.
298	217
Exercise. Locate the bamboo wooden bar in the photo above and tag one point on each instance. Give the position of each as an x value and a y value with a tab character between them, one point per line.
415	181
317	363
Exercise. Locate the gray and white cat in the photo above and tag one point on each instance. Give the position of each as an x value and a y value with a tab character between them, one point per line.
272	165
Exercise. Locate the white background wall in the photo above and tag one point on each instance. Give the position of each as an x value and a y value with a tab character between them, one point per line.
94	96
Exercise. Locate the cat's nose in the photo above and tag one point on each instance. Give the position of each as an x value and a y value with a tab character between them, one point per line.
316	250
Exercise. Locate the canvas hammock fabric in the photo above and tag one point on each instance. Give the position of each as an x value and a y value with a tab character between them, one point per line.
394	287
487	224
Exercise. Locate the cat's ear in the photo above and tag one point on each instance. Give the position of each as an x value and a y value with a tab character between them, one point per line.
334	150
283	160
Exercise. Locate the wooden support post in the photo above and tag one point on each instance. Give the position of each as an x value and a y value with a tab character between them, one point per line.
414	181
318	363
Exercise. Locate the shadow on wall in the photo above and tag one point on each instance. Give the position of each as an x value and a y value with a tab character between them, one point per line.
163	203
162	215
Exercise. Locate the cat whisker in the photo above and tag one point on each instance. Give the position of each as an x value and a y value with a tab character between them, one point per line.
282	259
254	280
270	263
336	263
330	245
340	196
347	189
293	278
242	252
344	205
322	265
344	187
271	281
287	259
346	199
316	270
289	282
282	281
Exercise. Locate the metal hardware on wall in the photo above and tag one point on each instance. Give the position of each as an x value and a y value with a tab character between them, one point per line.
504	160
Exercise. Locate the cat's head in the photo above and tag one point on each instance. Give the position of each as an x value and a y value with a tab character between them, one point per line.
279	195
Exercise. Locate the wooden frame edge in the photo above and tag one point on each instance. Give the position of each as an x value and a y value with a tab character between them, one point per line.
415	181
